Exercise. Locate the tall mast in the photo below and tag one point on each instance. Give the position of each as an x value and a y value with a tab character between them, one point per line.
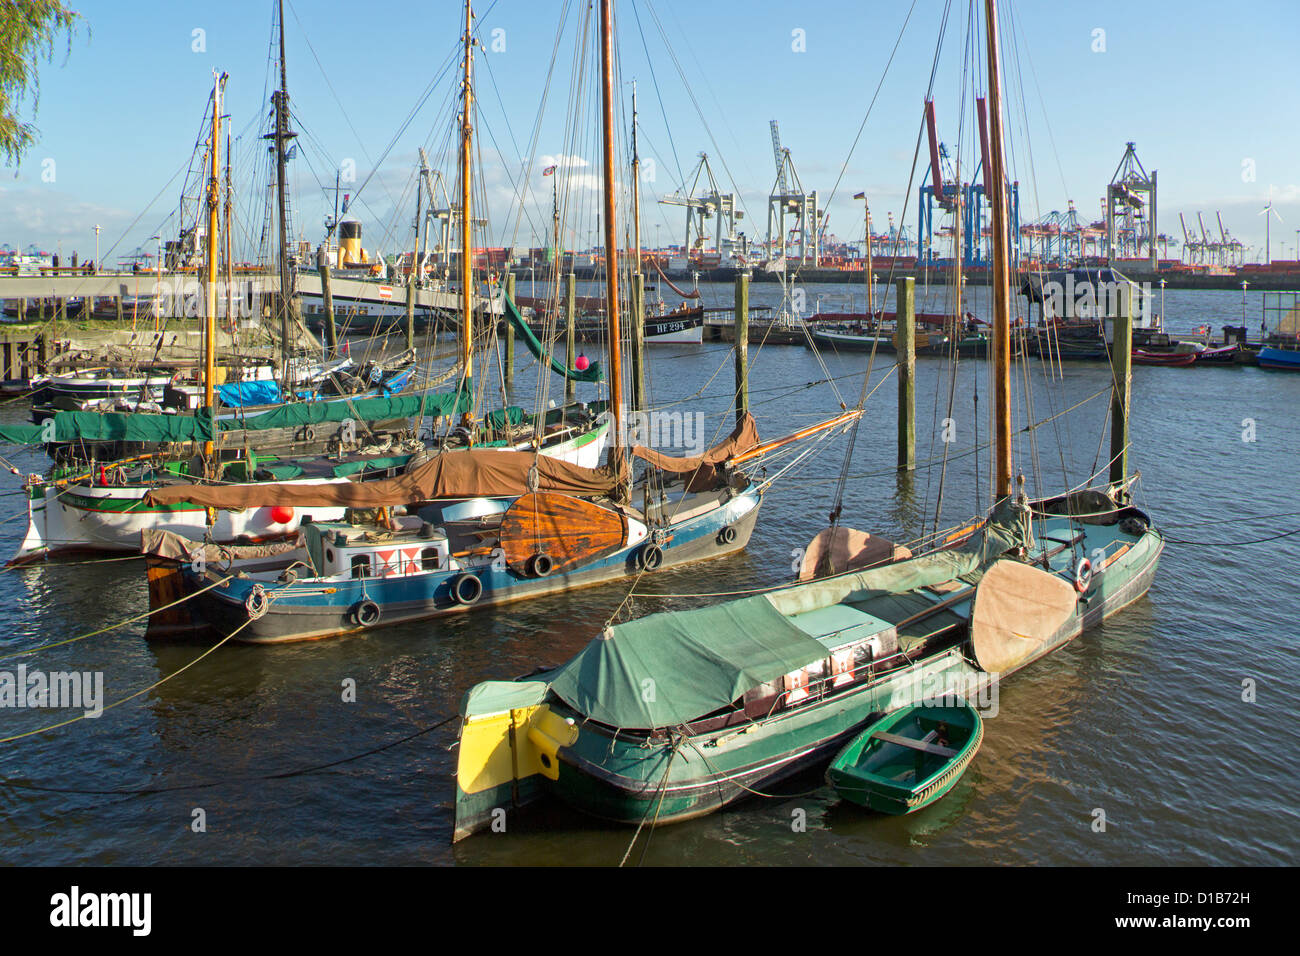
871	292
611	232
636	193
466	239
1001	269
214	205
229	242
281	97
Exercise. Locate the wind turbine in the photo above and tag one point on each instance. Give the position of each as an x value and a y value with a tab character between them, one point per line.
1267	222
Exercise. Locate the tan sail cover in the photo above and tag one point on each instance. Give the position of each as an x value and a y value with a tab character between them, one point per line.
836	550
742	439
175	547
1018	610
471	473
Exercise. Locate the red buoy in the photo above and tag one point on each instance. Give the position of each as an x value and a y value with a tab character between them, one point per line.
582	363
281	514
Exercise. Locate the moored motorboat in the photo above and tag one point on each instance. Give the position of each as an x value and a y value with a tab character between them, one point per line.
1283	359
1172	359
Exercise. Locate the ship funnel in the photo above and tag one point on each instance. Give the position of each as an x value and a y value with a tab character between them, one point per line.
350	251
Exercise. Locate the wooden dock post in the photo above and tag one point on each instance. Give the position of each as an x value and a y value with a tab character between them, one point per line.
905	344
327	301
117	307
1121	366
742	346
640	398
570	332
510	334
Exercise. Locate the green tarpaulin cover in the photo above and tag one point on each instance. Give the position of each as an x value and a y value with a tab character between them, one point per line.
147	427
677	666
591	373
510	415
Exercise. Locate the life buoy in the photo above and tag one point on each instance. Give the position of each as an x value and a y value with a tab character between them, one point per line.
467	589
257	603
366	613
727	535
1082	575
650	557
540	565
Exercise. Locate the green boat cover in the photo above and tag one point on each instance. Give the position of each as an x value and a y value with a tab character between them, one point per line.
152	427
288	470
510	415
592	373
499	696
677	666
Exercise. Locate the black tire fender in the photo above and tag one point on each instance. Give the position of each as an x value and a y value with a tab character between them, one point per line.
366	613
650	557
466	589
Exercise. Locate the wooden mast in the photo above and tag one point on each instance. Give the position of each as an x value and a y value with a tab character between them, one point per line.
611	232
640	399
229	244
214	205
466	223
636	193
286	286
1001	345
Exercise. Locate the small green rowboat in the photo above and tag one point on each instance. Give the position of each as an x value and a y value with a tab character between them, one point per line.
908	759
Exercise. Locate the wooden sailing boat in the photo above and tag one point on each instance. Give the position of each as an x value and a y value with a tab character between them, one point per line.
492	526
96	503
747	693
100	505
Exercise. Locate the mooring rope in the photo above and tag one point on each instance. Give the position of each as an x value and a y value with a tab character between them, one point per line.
209	784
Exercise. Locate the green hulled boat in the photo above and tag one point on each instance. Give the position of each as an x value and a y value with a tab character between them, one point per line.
678	714
908	759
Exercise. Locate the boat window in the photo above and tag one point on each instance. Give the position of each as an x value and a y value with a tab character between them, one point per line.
430	559
361	566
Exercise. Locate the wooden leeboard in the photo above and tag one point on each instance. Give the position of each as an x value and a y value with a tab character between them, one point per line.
1018	609
570	531
836	550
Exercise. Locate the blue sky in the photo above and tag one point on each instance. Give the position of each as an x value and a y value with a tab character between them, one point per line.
1205	90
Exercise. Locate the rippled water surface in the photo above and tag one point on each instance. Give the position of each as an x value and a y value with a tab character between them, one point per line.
1142	718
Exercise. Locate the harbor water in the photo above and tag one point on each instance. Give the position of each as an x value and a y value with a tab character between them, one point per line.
1164	737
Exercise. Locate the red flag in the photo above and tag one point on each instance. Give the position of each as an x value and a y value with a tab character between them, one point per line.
548	170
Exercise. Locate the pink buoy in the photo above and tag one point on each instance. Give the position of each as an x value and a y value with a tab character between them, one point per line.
582	363
281	514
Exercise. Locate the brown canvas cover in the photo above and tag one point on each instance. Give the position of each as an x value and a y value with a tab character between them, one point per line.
468	473
742	439
1018	609
169	545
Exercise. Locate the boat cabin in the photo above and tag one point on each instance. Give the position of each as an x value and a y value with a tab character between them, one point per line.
344	550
